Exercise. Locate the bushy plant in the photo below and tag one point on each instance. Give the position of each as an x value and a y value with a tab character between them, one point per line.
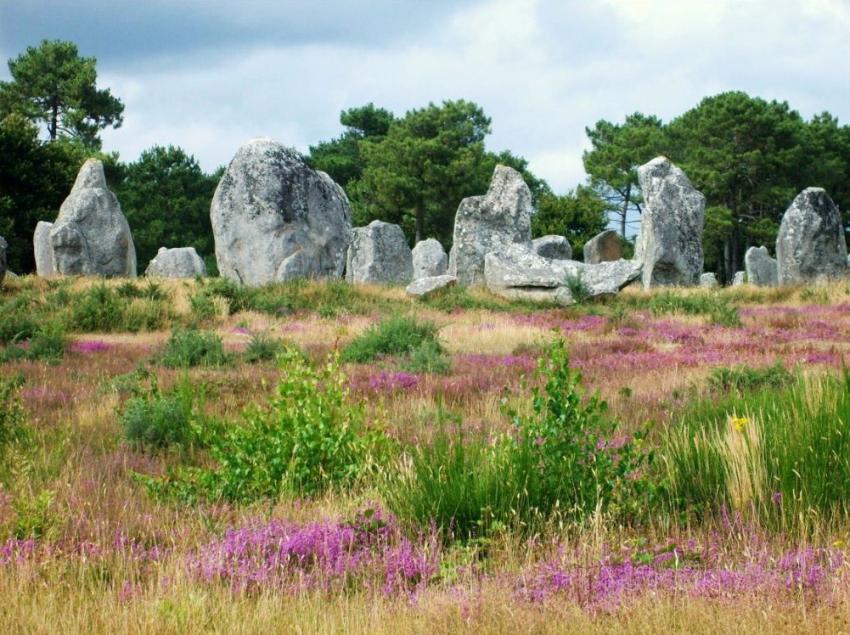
125	308
395	335
308	438
746	378
98	308
13	425
16	320
428	357
191	347
154	419
47	344
262	348
579	291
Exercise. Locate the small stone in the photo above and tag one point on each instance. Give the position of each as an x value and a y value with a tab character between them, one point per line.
552	246
44	263
604	247
761	268
379	254
739	278
424	287
178	262
708	281
429	259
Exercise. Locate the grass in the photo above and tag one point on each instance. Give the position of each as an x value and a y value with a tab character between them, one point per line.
396	335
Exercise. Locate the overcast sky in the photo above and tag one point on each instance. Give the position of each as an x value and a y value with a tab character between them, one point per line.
209	74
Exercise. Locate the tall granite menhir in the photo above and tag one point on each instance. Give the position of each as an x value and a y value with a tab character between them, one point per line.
91	235
490	223
810	244
671	224
274	218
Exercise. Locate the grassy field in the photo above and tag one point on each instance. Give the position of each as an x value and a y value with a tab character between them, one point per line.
316	457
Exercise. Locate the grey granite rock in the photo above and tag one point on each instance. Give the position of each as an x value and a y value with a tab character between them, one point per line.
553	246
91	235
43	250
379	253
810	244
488	223
670	241
518	272
708	281
603	247
739	278
423	287
178	262
429	259
274	218
760	267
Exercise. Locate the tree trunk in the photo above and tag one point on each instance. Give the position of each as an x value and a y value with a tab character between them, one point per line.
420	220
54	120
625	211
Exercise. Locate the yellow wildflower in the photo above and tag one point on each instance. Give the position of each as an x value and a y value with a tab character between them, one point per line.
739	423
839	544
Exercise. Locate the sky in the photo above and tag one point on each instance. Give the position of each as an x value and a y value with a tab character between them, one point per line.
207	75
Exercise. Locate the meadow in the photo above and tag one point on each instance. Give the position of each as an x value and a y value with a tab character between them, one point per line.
191	456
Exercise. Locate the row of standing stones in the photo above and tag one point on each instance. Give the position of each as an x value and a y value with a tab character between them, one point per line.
274	218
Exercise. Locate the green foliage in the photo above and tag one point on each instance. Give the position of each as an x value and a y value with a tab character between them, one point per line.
579	215
427	357
16	320
781	454
187	348
47	343
13	423
33	515
153	419
309	438
166	198
745	378
578	288
395	335
101	308
715	306
262	348
52	84
563	459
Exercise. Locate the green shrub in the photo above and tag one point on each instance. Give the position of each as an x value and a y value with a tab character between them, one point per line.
98	308
154	419
262	348
745	378
782	454
202	306
47	344
33	516
428	357
308	438
563	459
579	290
13	426
396	335
16	320
191	347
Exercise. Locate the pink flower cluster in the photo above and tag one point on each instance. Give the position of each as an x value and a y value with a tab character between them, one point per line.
87	347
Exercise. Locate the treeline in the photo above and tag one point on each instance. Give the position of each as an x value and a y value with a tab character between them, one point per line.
748	156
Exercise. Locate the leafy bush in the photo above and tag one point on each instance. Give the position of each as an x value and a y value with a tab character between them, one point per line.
564	459
396	335
428	357
12	417
745	378
310	437
262	348
781	454
127	308
16	320
156	420
579	290
191	347
46	344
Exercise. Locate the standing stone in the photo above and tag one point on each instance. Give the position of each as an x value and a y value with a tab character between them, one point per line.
91	235
552	246
671	224
739	278
379	253
761	268
179	262
43	250
3	247
708	281
274	218
810	243
429	259
488	223
603	247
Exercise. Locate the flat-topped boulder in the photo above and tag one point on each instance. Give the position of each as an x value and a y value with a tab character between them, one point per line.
811	243
553	246
518	272
91	236
760	267
177	262
488	223
379	254
429	259
274	218
604	247
670	241
43	250
423	287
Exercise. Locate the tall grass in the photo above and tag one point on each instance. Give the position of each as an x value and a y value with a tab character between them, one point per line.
782	455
